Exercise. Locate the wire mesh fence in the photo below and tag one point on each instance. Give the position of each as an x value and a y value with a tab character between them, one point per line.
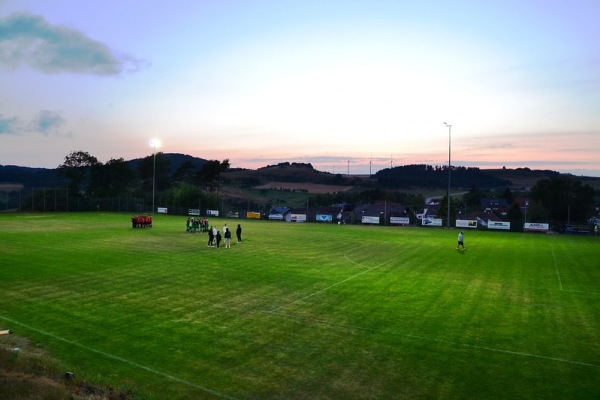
58	199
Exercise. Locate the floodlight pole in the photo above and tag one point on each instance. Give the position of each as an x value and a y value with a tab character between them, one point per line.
449	168
154	143
153	177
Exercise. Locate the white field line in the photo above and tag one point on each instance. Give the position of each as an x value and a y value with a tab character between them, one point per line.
354	262
123	360
430	339
332	286
423	338
560	285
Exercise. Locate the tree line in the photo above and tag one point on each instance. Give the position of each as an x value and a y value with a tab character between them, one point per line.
187	185
557	199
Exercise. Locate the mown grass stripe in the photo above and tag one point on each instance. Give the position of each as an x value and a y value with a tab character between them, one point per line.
163	298
334	285
429	339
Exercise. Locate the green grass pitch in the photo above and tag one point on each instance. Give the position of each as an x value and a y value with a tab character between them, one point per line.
305	311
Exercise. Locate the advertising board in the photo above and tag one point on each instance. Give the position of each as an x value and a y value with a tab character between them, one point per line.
369	220
427	221
466	223
536	227
501	225
252	215
399	220
298	218
324	218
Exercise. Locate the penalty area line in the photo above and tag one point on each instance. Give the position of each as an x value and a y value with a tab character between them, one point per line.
121	359
560	284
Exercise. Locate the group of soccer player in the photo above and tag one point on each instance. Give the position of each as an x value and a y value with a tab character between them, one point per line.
194	225
141	221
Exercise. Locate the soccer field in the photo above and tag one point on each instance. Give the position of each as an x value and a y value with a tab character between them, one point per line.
305	311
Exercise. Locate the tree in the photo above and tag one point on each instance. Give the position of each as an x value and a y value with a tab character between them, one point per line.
443	210
211	172
473	198
146	169
185	172
535	212
185	195
113	178
564	198
507	195
77	167
515	217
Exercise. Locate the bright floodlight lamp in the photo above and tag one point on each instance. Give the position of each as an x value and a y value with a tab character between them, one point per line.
154	143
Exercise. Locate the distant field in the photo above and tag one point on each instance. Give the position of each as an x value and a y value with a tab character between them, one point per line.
317	188
305	311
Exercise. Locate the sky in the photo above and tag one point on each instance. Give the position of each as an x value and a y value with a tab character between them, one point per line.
348	86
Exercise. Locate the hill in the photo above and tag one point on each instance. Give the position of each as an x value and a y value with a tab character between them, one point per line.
427	176
303	177
30	177
49	177
287	172
176	160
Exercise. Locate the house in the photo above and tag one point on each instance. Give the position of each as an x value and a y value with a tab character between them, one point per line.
430	211
484	216
381	212
494	205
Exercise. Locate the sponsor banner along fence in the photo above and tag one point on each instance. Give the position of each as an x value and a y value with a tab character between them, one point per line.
324	218
369	220
536	227
501	225
431	222
399	220
466	223
298	218
578	229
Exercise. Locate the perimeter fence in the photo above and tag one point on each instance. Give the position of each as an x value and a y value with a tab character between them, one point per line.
58	199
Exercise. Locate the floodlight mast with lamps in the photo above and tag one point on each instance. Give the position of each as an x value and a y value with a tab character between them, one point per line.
449	168
154	143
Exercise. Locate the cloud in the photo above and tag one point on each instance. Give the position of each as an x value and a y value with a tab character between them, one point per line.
9	126
48	122
30	39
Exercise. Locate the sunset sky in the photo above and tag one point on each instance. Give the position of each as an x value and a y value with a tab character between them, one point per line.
349	86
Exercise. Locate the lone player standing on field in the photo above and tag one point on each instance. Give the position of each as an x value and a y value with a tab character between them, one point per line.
461	241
